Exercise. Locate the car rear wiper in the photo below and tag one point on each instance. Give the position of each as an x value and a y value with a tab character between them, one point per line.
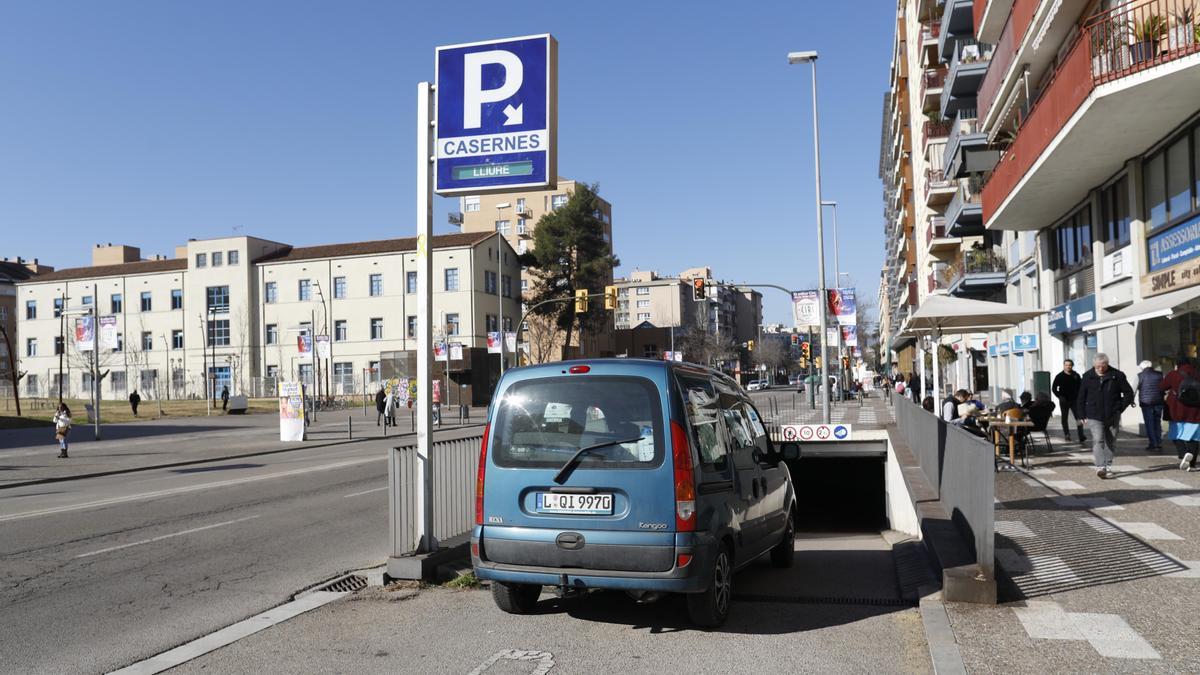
566	469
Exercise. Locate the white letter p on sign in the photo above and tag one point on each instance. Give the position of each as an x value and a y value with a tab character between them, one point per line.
474	95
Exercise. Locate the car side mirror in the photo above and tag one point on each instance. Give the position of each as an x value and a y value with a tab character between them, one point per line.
790	451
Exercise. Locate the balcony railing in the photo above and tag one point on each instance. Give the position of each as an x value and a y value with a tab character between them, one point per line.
934	129
936	230
935	179
1114	44
933	78
974	261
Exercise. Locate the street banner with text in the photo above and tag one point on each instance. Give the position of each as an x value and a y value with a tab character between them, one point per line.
85	327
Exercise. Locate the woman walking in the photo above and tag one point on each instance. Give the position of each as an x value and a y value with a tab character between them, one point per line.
1180	389
62	428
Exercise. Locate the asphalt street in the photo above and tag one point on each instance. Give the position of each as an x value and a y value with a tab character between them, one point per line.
99	573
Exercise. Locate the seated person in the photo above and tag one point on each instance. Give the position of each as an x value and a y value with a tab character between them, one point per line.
1040	410
1006	402
1026	400
968	416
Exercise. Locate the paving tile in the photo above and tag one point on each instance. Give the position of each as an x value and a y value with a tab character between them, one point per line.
1182	500
1044	620
1063	485
1145	530
1164	483
1014	529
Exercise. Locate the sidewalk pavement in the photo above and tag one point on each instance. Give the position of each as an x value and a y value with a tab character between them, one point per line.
1095	575
30	455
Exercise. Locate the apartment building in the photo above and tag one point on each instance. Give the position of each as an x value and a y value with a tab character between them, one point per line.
515	216
234	308
1075	141
646	297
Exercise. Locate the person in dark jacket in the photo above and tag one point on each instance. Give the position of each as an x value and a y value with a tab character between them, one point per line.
1184	428
134	400
380	405
225	397
1150	398
1104	393
1066	390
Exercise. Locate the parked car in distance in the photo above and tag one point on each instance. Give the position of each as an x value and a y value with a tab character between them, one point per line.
754	385
645	476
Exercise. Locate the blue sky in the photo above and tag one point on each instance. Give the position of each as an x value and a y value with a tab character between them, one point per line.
148	122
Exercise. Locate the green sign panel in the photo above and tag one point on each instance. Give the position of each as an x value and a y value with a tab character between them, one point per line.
493	170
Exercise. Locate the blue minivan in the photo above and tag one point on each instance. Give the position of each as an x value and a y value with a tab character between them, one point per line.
644	476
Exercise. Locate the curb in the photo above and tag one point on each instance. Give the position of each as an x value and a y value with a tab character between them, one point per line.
189	462
943	647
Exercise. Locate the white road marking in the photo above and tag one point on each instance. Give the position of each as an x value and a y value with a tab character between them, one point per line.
1014	529
1164	483
185	489
1112	637
544	660
365	492
1146	530
164	536
1046	621
229	634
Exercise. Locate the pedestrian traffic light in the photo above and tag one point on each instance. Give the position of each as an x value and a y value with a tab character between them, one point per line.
805	350
795	340
610	297
581	301
698	292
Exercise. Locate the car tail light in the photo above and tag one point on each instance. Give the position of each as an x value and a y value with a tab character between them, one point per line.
683	560
479	475
576	370
685	482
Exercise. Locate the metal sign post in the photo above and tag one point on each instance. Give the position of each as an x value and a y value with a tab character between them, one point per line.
424	406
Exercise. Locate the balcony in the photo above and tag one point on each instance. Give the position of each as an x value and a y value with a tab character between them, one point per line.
967	148
978	271
454	217
931	130
964	215
937	242
931	86
1111	97
958	22
967	70
939	190
989	18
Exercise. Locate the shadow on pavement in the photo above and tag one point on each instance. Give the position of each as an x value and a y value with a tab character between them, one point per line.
221	467
82	433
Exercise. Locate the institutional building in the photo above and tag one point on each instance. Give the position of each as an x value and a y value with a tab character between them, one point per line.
1082	150
237	308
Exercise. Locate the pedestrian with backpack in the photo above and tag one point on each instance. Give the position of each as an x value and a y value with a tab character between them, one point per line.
1150	398
1181	387
1104	393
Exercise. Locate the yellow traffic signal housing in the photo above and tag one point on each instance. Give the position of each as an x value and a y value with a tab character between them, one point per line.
750	345
581	301
817	361
805	350
803	363
610	297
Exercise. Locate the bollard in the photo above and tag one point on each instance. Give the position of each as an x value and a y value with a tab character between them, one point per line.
349	429
412	420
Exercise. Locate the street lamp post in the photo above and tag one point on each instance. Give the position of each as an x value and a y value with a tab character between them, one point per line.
837	284
329	366
811	57
499	282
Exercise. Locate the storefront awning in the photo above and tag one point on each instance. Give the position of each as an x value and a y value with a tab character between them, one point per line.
1166	305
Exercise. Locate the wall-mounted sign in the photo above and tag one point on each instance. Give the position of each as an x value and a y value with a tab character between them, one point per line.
1118	265
1071	316
1027	342
1002	349
992	351
1173	258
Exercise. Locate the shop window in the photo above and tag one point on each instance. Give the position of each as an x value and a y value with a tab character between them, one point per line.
1115	215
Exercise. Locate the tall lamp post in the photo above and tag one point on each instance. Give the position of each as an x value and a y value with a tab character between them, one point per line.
837	284
325	310
811	57
499	282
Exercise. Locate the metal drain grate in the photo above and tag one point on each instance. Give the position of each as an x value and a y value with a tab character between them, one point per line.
826	600
346	584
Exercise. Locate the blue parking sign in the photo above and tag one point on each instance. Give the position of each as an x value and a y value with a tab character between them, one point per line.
497	116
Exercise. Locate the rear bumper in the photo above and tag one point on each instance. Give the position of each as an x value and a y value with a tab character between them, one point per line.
692	578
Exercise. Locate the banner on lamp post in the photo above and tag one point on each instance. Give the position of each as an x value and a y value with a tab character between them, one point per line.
510	342
108	333
805	308
493	338
323	347
456	351
85	333
843	307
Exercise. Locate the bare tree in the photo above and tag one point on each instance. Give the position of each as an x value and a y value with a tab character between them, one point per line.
769	353
543	339
700	346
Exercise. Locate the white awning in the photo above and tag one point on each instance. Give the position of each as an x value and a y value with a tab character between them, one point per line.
1167	304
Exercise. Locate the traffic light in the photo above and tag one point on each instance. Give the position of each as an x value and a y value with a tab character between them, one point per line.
803	363
750	345
805	350
795	340
610	297
817	362
581	301
845	362
698	292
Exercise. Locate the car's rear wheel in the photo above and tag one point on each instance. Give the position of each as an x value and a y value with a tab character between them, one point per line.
710	608
785	551
515	598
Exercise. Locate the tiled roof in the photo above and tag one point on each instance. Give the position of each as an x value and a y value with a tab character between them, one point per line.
124	269
11	271
372	247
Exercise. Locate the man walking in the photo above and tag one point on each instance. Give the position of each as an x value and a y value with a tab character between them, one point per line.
1150	398
1066	390
380	401
134	400
225	397
1104	393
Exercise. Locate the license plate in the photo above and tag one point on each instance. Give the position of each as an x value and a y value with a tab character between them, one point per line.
587	504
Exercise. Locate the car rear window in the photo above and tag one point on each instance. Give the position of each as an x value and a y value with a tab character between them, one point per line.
541	423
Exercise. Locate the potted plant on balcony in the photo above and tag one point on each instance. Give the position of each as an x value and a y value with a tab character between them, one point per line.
1110	47
1183	33
1147	34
